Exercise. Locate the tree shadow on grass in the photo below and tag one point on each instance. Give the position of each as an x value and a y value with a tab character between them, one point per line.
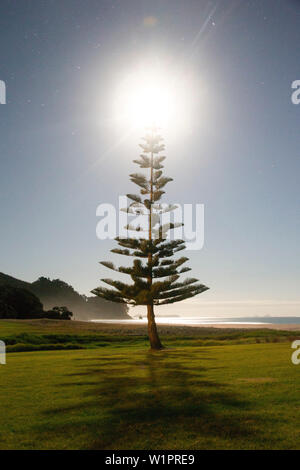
155	400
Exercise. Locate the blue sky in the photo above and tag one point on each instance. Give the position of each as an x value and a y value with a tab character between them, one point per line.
62	153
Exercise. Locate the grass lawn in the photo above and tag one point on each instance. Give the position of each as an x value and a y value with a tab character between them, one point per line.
190	396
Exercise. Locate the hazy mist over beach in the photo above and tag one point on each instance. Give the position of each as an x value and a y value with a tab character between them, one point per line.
201	308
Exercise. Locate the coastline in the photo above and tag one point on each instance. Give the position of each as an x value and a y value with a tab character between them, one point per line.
138	328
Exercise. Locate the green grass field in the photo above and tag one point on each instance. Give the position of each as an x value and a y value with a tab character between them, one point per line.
210	389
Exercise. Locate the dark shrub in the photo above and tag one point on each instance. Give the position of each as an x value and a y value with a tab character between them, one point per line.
58	313
19	303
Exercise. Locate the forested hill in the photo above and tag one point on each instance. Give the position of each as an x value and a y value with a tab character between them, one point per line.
13	282
58	293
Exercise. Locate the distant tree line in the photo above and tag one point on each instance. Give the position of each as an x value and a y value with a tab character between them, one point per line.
19	303
44	298
57	292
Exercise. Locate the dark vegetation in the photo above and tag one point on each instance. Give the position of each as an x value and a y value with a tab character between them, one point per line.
19	303
16	302
48	294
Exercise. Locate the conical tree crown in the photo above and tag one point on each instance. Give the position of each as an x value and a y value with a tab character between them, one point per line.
154	271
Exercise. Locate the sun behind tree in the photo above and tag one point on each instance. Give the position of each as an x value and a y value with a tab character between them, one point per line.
153	253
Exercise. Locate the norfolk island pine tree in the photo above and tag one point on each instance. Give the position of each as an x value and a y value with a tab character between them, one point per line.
155	275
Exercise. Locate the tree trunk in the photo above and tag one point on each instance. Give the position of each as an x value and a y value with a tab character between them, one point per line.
152	330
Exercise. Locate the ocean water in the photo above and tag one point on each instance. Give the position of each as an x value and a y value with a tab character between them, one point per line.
209	320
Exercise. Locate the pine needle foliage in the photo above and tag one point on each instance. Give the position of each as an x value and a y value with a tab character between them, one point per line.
154	271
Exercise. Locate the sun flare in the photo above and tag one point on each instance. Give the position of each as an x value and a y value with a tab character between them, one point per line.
150	98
